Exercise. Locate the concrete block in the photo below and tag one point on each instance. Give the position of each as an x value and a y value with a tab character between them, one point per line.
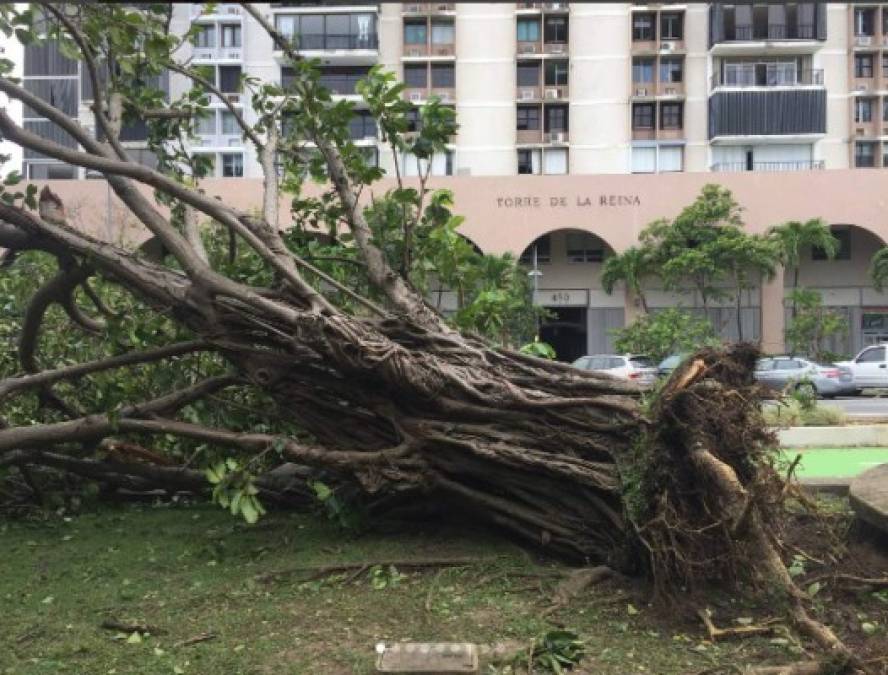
427	658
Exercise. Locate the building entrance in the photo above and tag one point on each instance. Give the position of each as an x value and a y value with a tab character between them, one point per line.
566	331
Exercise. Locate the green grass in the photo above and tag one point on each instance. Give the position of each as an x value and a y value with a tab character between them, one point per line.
836	462
193	570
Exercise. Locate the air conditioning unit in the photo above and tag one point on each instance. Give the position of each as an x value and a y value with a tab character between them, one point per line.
557	48
860	132
527	94
670	91
667	46
641	91
414	52
527	48
555	137
556	6
233	98
863	40
416	96
552	93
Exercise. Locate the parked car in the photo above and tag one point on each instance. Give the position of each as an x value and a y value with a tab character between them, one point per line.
869	367
635	367
782	373
670	363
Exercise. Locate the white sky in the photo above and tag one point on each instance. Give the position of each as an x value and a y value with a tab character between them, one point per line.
10	48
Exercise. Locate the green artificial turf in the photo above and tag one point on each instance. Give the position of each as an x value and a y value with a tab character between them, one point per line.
836	462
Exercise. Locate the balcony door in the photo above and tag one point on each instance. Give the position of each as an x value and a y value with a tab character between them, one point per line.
761	74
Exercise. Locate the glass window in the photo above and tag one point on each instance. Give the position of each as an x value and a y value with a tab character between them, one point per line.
528	118
205	124
885	58
416	75
865	155
443	33
529	163
556	73
231	35
670	115
287	25
362	125
642	27
844	251
584	247
671	25
229	124
555	162
43	171
311	31
232	165
205	36
363	31
555	29
337	34
644	160
229	79
413	120
874	355
443	75
528	30
556	118
671	69
528	74
643	116
342	79
863	65
863	110
670	158
864	21
642	70
885	155
415	33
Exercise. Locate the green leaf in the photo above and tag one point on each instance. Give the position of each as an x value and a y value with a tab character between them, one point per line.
814	589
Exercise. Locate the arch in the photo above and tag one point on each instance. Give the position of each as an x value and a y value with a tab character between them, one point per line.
472	243
521	246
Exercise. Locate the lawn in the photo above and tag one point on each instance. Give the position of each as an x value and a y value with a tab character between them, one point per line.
837	462
194	571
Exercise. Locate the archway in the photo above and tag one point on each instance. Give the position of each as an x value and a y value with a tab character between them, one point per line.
565	270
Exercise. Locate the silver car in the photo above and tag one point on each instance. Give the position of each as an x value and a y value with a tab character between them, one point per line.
783	373
634	367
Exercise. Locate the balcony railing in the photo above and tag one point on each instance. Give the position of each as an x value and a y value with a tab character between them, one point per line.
428	7
750	78
227	10
773	31
796	165
334	41
436	49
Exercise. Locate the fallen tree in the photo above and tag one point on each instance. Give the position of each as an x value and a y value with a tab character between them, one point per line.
380	393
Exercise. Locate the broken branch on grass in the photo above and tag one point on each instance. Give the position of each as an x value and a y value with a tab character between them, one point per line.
114	624
716	633
203	637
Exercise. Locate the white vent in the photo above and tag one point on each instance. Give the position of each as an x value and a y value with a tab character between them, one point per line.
527	48
416	96
552	93
555	49
527	94
667	46
641	91
233	98
556	6
863	40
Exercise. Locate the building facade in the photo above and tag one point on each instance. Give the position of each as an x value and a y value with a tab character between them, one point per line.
775	95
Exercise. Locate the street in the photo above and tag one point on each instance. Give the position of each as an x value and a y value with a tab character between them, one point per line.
859	406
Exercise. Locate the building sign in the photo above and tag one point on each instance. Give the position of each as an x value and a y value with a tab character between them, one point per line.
558	202
571	297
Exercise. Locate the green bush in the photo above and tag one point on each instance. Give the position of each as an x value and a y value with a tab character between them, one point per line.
792	414
664	333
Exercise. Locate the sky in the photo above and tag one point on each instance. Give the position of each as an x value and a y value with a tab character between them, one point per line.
11	49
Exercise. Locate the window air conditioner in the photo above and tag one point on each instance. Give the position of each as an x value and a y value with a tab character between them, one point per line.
641	91
445	97
551	93
416	96
528	48
526	94
233	98
556	137
864	40
555	6
667	46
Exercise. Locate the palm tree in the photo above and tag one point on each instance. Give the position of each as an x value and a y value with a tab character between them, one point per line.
794	236
878	270
631	267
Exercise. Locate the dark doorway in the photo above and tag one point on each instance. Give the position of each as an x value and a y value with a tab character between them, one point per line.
566	332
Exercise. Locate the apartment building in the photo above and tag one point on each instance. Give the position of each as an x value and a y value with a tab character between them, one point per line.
584	93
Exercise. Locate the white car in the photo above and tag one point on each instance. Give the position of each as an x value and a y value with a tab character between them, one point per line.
869	367
634	367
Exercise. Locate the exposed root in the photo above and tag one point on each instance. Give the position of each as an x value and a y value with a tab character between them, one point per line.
716	634
574	584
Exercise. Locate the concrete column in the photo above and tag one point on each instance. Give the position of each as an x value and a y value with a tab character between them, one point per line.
773	317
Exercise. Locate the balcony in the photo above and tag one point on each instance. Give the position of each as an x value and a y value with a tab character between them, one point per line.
413	51
744	78
215	54
757	112
777	27
420	95
228	11
421	8
540	137
540	48
670	89
547	92
340	48
798	165
218	141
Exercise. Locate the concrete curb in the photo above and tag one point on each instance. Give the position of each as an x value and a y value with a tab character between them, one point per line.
854	436
839	487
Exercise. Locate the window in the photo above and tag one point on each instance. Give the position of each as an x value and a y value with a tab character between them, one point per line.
528	161
644	160
671	26
671	69
844	250
670	158
885	155
229	124
583	247
206	124
670	116
863	110
885	111
416	75
555	30
874	355
528	118
229	79
555	162
443	33
442	164
543	249
232	165
205	37
885	58
50	171
865	155
415	33
528	30
528	74
413	121
864	23
443	75
61	93
556	73
329	31
362	125
642	70
863	65
643	116
342	79
642	27
556	118
231	35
